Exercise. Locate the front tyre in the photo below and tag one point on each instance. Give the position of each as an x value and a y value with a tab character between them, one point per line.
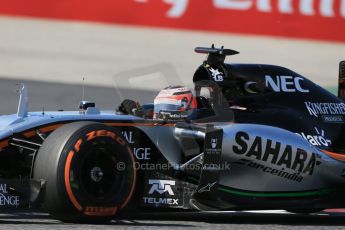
89	169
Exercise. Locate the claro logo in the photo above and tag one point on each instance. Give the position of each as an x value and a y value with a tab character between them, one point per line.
161	186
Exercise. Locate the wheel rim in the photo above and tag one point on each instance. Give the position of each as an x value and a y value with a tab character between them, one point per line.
99	178
98	174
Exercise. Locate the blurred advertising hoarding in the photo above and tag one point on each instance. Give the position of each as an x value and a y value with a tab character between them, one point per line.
310	19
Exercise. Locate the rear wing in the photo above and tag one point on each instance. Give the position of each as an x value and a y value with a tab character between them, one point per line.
341	83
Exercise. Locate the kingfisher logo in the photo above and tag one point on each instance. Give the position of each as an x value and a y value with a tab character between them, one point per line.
161	186
330	112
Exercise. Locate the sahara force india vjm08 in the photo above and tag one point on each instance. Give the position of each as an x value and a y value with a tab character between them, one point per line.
250	136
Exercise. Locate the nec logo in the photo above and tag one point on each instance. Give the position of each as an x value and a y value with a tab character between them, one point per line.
161	186
287	84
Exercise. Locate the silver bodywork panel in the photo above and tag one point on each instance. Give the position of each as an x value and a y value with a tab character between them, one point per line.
265	158
15	124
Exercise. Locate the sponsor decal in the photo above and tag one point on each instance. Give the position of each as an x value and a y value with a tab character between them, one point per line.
141	153
100	211
207	188
217	75
327	8
160	201
214	143
286	84
330	112
333	119
275	154
172	115
162	188
247	87
214	146
317	140
129	136
303	7
297	18
276	172
6	199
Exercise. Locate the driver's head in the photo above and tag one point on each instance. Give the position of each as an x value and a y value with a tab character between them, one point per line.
174	103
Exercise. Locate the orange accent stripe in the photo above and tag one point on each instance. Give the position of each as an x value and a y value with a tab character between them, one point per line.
68	183
138	124
44	129
30	133
3	144
337	156
134	180
50	128
53	127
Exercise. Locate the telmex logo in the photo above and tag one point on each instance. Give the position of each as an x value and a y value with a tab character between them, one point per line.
287	84
161	186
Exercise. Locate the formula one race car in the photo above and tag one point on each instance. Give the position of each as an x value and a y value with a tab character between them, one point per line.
257	137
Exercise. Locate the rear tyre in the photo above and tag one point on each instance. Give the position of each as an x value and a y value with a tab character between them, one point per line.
89	170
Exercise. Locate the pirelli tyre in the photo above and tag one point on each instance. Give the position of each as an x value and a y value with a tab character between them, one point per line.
89	172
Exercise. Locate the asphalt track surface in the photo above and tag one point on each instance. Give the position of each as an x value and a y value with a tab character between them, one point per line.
231	220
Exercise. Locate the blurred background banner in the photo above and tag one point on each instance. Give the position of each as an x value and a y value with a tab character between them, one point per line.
310	19
134	48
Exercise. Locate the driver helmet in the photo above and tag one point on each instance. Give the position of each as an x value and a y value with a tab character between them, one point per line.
174	103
